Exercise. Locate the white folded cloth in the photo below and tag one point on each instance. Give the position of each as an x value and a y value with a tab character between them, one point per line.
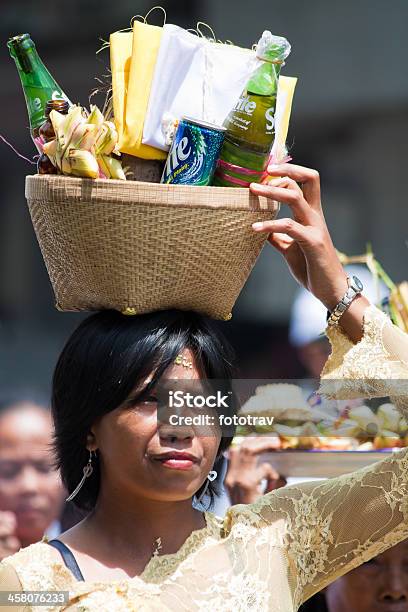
193	77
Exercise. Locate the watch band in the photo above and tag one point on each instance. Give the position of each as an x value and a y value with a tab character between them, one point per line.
352	292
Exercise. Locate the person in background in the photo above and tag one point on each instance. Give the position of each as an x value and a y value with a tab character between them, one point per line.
247	478
31	492
380	585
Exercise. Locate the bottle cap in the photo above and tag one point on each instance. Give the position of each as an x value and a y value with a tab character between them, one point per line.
274	49
20	42
18	45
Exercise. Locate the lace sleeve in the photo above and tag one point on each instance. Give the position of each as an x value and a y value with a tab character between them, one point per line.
377	366
329	528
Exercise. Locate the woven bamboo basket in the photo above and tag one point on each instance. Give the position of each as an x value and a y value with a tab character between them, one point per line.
137	247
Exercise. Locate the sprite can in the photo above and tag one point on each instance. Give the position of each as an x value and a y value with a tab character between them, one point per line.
194	153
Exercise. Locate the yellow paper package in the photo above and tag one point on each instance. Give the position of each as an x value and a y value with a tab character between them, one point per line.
286	91
120	57
133	59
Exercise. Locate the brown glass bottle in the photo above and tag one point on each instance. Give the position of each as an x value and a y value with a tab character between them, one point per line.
46	133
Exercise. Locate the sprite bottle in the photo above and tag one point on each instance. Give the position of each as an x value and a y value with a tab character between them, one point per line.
38	85
251	123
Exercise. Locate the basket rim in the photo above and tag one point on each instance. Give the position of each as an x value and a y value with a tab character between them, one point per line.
51	188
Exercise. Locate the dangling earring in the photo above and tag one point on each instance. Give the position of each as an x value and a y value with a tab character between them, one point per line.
210	478
88	469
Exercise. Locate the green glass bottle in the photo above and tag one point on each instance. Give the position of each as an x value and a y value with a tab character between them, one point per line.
38	85
251	123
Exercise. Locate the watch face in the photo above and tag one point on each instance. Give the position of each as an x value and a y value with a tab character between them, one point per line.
358	283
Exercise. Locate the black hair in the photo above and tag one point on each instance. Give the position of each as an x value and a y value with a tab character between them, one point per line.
105	359
317	603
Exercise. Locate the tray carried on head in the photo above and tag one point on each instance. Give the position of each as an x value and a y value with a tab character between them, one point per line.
138	247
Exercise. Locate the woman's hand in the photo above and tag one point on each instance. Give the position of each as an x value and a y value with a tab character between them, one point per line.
245	474
305	242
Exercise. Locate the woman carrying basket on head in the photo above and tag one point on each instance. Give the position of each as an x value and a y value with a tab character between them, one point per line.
144	544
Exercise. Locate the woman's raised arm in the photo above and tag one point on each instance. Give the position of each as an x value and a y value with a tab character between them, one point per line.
334	526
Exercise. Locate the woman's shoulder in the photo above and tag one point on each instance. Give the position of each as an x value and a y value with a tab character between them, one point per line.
249	519
37	568
38	553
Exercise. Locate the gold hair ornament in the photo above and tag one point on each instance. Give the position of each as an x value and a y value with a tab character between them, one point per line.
183	361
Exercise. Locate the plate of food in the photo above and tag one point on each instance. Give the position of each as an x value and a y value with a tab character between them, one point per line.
321	441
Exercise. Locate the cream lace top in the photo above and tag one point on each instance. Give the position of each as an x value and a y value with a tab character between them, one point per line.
276	553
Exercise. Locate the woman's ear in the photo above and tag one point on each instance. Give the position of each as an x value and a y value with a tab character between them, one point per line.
91	444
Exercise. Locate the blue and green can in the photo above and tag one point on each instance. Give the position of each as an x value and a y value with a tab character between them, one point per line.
194	153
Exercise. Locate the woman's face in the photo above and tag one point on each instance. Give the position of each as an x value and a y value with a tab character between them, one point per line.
381	585
134	447
30	487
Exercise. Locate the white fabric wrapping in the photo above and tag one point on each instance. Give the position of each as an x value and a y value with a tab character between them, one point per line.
194	77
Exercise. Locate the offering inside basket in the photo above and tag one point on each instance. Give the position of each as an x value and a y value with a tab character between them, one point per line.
161	78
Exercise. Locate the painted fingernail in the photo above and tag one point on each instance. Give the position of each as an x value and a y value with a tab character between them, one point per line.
257	225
